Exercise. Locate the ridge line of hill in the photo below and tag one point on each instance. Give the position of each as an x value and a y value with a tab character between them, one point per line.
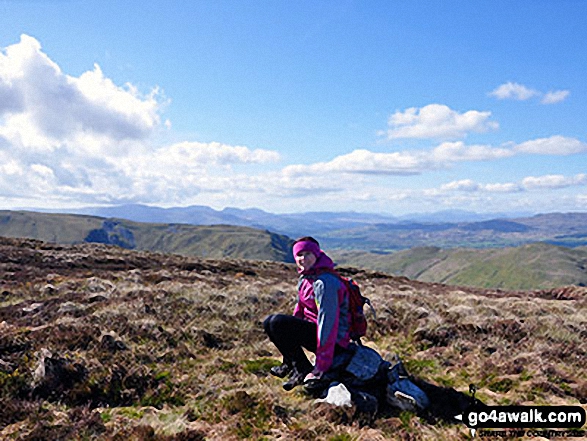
524	266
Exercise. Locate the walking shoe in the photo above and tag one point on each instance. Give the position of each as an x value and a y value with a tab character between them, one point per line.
280	371
295	380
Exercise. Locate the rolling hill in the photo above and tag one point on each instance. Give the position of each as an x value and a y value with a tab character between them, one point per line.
532	266
214	241
377	232
525	266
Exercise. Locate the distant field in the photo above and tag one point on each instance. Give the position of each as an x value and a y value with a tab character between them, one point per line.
567	229
534	266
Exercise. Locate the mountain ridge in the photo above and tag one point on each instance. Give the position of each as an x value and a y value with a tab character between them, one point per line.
415	250
184	239
378	232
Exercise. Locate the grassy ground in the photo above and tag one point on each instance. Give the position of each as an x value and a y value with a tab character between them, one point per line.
163	347
534	266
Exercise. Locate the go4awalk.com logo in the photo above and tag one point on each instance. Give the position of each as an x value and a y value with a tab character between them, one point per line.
525	417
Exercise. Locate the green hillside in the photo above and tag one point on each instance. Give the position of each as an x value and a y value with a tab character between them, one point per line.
57	228
534	266
217	241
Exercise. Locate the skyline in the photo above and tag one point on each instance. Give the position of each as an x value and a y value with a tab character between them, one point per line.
339	106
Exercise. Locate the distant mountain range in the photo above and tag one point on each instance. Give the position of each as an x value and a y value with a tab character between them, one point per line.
293	225
372	231
542	251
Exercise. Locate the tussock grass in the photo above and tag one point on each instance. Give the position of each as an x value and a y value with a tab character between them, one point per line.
175	354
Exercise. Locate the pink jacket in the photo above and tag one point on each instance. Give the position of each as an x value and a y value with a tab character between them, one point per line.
323	299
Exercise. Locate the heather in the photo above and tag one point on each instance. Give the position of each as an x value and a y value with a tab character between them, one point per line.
99	342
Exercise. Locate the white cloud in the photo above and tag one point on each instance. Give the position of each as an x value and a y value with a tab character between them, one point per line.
553	181
195	155
555	96
513	91
225	154
458	151
530	183
520	92
44	109
507	187
446	154
468	185
437	121
555	145
88	140
462	185
366	162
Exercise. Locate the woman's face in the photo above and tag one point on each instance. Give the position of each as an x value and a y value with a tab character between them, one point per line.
305	260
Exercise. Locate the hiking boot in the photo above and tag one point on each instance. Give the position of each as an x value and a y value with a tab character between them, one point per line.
295	380
280	371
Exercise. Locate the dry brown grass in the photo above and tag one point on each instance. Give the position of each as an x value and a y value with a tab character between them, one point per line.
169	348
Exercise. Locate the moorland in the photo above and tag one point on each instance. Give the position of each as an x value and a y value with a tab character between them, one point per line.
102	342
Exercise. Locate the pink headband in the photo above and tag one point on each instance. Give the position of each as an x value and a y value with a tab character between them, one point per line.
306	245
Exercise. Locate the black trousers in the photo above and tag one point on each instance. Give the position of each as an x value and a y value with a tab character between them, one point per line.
290	334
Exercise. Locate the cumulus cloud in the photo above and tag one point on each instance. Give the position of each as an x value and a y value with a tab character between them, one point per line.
217	153
193	156
507	187
88	140
520	92
529	183
402	163
554	145
366	162
459	151
437	121
514	91
45	109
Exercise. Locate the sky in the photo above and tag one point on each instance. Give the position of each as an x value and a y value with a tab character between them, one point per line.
383	106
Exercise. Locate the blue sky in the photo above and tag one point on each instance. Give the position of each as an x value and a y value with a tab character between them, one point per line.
380	106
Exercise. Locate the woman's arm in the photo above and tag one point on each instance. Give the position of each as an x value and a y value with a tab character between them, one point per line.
326	289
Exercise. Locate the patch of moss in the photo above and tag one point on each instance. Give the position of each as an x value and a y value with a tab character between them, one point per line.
419	367
106	416
13	384
260	366
254	415
405	419
164	394
131	412
525	375
502	385
161	376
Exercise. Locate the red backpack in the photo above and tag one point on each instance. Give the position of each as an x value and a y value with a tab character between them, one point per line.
358	320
